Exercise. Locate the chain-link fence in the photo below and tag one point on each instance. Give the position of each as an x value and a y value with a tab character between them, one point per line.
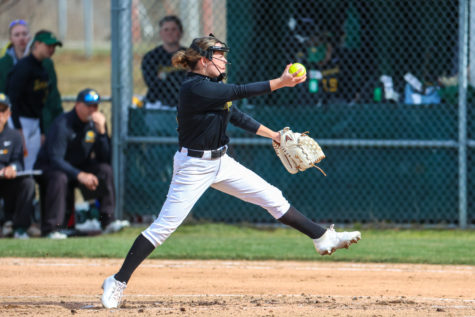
382	96
389	95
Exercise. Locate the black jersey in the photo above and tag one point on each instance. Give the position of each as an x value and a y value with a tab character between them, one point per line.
70	143
163	80
205	108
11	148
28	87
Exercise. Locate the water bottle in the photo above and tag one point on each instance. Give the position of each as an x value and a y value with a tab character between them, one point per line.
315	75
313	85
377	94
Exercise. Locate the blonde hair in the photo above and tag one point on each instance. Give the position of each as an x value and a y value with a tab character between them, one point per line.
188	58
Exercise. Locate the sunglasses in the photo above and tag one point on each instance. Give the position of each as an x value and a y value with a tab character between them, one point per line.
16	22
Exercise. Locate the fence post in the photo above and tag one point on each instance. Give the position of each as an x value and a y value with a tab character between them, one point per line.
462	105
121	79
88	21
62	19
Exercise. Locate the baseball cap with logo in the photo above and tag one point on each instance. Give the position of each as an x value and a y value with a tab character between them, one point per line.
4	100
47	37
89	97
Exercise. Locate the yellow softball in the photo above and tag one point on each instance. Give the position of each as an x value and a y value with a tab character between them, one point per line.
297	67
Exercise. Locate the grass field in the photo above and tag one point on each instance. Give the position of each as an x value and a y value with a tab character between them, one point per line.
220	241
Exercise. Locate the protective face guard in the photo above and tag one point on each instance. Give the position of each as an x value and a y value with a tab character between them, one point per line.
208	53
210	50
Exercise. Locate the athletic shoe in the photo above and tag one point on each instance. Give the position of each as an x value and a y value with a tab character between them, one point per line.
7	229
34	231
89	225
113	290
116	226
21	234
332	240
56	235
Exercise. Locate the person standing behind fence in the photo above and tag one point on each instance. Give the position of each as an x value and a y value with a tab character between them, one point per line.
28	86
16	49
17	192
204	111
19	36
161	77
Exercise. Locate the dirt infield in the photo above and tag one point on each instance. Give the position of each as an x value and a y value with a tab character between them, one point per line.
63	287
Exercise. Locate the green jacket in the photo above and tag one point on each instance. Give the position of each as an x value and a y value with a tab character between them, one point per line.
6	63
53	106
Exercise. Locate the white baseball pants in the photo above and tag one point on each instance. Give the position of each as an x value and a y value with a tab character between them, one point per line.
193	176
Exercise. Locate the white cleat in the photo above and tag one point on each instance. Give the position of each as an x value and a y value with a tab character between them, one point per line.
332	240
116	226
113	290
89	225
56	235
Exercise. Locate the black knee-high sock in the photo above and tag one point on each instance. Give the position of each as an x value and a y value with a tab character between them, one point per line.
139	251
297	220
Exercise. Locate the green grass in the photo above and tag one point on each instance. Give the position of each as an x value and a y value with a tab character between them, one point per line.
219	241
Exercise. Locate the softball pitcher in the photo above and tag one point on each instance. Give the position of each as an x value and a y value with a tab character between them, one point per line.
204	111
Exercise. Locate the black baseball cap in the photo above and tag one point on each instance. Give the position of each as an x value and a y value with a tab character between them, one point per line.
47	37
4	100
89	97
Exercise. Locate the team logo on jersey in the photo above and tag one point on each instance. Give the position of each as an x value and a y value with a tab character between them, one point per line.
228	105
7	143
40	85
163	71
4	151
90	136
